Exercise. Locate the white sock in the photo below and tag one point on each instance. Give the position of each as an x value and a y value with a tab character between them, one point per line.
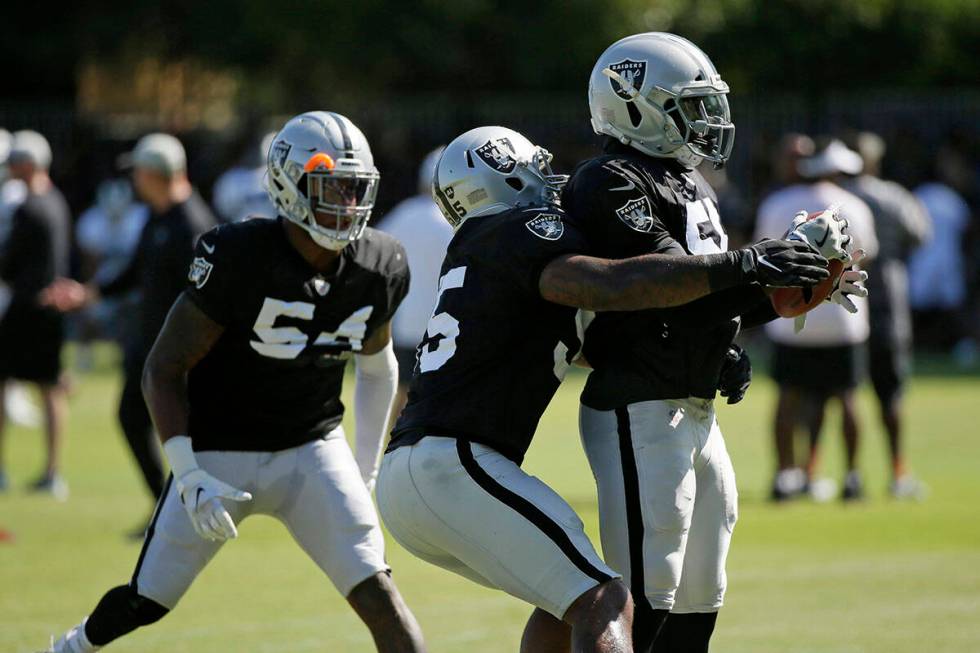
75	641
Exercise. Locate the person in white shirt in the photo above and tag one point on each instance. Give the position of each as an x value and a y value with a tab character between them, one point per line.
832	340
239	192
417	223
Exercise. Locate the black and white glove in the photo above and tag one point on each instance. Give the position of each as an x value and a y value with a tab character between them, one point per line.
783	264
736	374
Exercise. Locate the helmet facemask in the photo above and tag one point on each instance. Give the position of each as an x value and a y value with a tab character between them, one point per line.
334	199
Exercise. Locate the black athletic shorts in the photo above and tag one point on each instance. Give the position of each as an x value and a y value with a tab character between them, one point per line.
30	344
889	365
819	370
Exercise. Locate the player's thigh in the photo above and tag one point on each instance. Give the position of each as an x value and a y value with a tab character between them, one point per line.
173	554
479	508
704	580
330	514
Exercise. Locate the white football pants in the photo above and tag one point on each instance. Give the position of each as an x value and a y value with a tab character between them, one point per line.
667	499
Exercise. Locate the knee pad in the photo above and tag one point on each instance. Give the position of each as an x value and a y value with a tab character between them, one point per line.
121	611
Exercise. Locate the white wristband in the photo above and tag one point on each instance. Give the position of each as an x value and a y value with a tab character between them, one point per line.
180	455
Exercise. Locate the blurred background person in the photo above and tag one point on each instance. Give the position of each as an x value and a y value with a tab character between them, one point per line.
35	252
901	225
18	406
106	234
158	268
937	270
826	359
418	224
239	192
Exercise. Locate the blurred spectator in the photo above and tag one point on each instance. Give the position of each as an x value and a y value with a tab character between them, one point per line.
158	268
937	270
901	225
36	251
239	192
417	223
106	235
18	406
826	359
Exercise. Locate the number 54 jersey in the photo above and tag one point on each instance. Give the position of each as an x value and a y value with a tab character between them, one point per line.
272	381
494	352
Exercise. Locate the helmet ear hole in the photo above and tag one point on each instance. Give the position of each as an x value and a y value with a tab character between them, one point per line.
515	183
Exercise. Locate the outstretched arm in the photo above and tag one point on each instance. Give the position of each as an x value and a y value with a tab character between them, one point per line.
376	381
186	337
665	280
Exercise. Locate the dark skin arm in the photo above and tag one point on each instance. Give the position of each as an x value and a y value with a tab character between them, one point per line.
378	340
186	337
641	282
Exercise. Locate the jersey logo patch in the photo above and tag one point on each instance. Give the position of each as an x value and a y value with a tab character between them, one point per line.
497	154
632	73
637	214
200	272
548	226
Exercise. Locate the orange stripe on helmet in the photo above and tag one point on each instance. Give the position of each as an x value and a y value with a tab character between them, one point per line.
319	161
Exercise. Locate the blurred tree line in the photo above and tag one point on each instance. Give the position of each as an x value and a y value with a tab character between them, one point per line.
303	52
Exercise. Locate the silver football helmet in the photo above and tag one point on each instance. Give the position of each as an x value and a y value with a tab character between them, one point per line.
660	94
490	169
320	164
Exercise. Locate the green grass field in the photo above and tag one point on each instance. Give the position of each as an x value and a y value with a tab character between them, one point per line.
803	578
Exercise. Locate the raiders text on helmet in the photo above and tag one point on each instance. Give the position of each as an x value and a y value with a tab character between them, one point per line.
660	94
320	164
491	169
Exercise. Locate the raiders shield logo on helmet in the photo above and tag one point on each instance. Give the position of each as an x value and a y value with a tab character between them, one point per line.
637	214
497	154
548	226
200	272
632	73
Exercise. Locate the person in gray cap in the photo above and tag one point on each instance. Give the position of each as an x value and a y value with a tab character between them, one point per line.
158	268
31	334
833	340
901	224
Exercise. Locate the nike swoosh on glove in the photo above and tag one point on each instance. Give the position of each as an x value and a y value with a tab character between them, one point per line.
827	233
201	495
783	264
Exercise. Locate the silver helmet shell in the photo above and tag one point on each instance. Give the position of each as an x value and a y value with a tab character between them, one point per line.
320	163
491	169
660	94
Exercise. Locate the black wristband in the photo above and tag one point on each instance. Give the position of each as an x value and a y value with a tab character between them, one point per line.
727	269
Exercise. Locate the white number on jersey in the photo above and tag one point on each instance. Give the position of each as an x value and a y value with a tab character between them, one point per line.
705	235
442	324
288	342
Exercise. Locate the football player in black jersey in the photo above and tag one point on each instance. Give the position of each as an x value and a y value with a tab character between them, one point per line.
666	486
244	385
501	337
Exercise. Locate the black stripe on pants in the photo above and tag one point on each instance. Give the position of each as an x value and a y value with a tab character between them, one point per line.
150	530
529	511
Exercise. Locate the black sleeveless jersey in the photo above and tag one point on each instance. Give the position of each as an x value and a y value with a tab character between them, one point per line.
628	204
273	379
494	352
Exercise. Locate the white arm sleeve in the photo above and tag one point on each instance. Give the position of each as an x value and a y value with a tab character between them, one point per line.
376	379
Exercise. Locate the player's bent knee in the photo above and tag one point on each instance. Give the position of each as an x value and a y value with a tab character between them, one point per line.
604	603
121	611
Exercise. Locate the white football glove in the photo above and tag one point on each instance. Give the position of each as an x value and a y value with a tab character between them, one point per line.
201	493
849	284
827	233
